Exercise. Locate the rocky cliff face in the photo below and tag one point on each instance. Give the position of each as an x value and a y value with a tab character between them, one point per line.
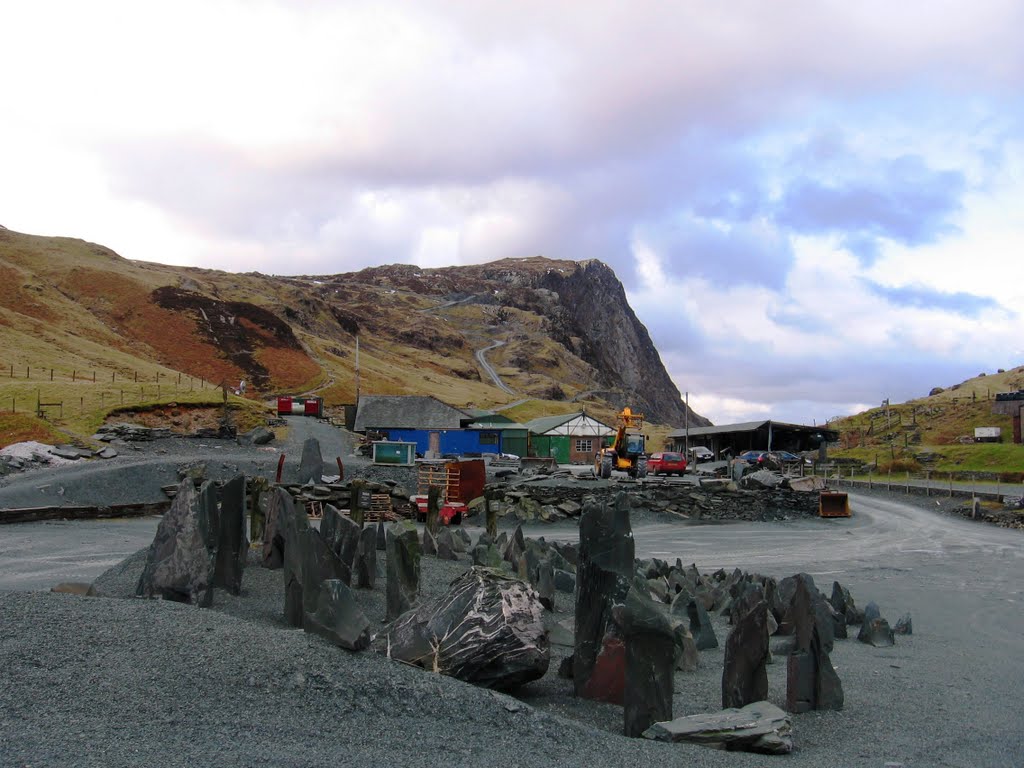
584	309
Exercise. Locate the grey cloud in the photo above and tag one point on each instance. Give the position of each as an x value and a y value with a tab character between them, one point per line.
921	297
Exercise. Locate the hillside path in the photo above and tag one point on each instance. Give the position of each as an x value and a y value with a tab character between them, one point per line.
490	371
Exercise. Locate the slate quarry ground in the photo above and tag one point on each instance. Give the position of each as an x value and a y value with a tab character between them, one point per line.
109	682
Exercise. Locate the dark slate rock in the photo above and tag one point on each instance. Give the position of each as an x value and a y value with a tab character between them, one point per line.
232	544
604	571
876	632
364	568
487	556
257	436
842	602
650	660
294	525
687	659
445	545
658	589
403	568
544	582
338	616
486	629
279	507
428	544
744	677
564	581
311	466
758	727
745	596
811	681
571	552
342	535
904	625
565	668
382	540
179	565
515	548
701	628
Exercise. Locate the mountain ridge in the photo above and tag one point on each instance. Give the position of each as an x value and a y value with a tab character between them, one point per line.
570	338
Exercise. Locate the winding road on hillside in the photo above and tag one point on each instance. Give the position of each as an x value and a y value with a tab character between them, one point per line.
489	370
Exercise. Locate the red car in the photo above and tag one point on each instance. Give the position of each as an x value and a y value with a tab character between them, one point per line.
666	463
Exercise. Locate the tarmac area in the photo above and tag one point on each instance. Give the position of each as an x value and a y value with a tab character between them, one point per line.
119	681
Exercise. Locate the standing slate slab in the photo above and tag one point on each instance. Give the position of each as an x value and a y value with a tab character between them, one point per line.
403	568
364	570
232	544
701	628
338	617
445	545
650	659
382	540
744	677
294	525
342	536
311	466
179	565
603	577
811	681
280	505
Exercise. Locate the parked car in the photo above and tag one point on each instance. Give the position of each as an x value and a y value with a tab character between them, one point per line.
667	463
699	453
753	457
786	457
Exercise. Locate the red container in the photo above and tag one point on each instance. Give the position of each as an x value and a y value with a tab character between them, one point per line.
284	406
313	407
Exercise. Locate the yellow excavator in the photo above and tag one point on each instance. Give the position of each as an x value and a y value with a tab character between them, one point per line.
627	452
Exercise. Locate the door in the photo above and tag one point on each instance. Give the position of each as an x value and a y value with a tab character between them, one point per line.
434	442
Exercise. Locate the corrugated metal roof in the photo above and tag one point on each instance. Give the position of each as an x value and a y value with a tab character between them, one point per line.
406	412
748	426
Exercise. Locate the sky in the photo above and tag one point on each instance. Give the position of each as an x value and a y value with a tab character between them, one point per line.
813	206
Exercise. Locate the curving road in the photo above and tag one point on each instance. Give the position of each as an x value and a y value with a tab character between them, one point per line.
490	371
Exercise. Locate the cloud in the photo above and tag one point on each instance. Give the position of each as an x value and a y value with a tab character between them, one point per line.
920	297
907	202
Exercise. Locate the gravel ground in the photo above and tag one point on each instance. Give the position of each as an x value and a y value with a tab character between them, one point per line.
116	681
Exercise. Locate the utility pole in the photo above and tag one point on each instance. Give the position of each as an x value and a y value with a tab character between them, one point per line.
686	417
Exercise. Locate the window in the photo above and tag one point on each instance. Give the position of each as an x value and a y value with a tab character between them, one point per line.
488	438
584	446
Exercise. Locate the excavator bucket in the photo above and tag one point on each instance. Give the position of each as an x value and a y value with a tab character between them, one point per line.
833	504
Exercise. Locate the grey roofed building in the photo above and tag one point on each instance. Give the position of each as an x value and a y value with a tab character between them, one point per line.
407	412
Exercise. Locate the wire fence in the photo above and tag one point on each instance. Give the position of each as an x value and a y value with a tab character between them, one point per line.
928	483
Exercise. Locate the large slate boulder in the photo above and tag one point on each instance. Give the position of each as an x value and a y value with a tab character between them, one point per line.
603	576
311	465
179	564
319	564
811	681
232	545
486	629
758	727
338	617
446	547
744	677
403	568
650	661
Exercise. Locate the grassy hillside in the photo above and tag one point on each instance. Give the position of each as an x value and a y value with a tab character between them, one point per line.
937	431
